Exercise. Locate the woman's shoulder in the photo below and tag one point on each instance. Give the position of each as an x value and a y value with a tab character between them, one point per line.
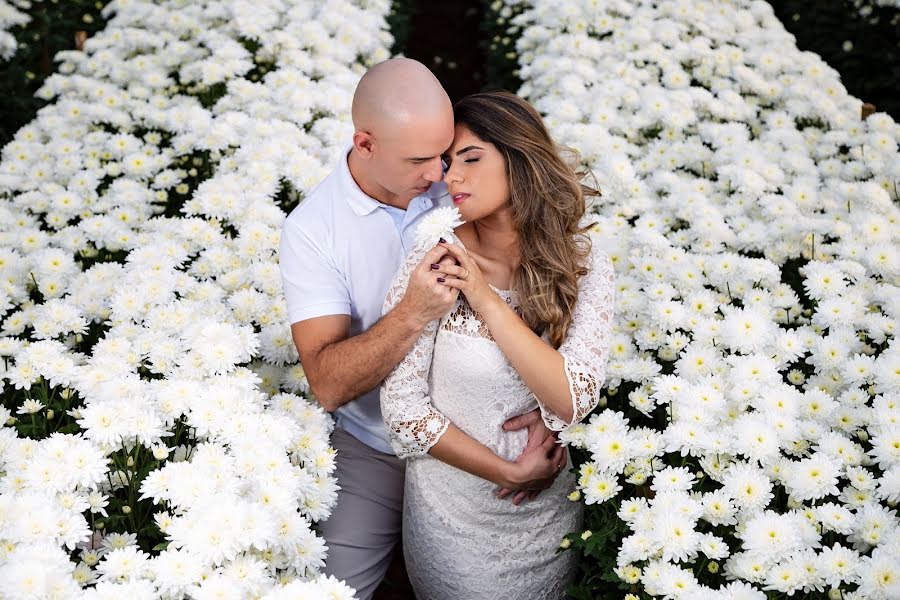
465	233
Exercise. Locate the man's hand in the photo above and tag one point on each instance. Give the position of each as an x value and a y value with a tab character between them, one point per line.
535	470
537	435
426	298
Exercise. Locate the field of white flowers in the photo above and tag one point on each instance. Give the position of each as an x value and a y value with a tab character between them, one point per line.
750	447
158	442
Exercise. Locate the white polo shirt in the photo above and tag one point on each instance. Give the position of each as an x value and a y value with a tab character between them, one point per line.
340	250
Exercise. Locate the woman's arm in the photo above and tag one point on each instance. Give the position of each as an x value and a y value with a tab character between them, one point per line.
567	381
541	367
531	471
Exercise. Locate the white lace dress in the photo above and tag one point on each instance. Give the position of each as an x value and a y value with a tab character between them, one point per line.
460	541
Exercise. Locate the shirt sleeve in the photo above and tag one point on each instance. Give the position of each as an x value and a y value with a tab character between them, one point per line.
586	347
313	285
413	424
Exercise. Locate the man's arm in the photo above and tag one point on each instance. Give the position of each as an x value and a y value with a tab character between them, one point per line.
340	368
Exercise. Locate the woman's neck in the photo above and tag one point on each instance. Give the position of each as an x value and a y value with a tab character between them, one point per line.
497	237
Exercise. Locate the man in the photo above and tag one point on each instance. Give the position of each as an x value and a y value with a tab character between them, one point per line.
340	249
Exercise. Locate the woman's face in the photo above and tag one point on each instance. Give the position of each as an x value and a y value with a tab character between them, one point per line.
476	176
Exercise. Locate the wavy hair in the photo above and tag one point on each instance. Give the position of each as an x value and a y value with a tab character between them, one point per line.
548	200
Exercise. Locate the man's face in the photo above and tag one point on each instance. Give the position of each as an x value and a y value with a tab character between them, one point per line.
407	160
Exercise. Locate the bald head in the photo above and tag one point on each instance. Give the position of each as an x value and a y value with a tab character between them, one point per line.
404	122
398	93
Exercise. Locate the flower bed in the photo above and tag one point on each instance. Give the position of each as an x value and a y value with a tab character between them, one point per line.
750	439
10	17
159	442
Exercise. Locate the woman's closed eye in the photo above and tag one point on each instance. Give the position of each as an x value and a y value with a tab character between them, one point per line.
471	160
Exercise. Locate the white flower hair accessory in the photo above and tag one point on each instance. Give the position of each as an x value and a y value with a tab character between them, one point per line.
438	224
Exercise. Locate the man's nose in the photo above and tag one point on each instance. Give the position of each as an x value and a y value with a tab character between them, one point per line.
435	170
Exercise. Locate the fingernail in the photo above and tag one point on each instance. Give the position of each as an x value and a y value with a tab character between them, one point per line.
441	280
435	266
442	240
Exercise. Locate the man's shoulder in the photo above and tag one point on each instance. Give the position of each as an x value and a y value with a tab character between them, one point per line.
316	205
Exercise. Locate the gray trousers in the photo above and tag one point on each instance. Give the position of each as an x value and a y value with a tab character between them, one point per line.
365	525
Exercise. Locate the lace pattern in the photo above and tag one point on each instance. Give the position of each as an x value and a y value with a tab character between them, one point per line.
465	321
414	426
586	346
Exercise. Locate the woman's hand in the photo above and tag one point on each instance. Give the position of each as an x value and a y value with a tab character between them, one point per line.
468	279
537	469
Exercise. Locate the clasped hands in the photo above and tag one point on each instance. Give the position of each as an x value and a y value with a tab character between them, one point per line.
539	464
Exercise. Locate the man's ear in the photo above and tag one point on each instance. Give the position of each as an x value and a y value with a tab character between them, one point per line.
364	143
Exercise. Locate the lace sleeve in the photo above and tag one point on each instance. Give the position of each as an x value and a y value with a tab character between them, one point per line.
586	346
413	424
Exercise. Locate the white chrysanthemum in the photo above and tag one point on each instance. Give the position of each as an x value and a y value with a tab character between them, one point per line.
838	564
718	509
772	535
600	487
835	517
438	223
38	570
889	485
879	574
748	486
812	478
886	447
123	564
747	330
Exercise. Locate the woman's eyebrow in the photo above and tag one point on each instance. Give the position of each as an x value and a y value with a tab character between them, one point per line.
467	148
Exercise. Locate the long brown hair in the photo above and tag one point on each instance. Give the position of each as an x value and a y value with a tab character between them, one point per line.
548	201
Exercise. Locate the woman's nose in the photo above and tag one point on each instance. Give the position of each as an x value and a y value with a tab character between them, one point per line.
452	175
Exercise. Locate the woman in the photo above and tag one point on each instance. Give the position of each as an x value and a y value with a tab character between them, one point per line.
530	328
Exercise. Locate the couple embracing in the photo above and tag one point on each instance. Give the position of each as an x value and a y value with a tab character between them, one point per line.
450	357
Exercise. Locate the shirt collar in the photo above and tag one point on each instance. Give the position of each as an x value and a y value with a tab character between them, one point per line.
363	204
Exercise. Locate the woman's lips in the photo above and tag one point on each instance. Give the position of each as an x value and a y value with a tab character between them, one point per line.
457	198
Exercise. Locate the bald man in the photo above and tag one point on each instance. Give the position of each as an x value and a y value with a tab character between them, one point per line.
340	249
